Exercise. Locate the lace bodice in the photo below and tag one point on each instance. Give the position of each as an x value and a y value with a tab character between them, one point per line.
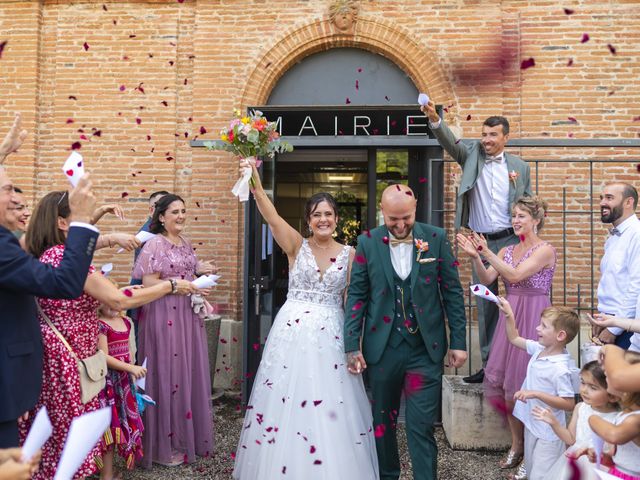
306	283
541	280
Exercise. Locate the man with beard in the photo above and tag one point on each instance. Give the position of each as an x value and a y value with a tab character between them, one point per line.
619	287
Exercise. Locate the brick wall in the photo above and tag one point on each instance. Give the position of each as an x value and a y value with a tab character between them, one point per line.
149	74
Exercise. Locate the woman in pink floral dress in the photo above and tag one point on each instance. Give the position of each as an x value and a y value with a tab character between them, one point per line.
77	321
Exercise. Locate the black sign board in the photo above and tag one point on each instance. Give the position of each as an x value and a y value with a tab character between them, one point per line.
398	120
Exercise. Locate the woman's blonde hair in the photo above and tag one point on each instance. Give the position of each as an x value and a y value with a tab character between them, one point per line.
534	206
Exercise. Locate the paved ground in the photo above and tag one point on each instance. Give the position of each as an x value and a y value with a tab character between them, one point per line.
458	465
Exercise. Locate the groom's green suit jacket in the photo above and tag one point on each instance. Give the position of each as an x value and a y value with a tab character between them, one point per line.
435	290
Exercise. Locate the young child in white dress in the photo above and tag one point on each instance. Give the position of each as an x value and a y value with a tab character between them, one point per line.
578	435
623	432
548	384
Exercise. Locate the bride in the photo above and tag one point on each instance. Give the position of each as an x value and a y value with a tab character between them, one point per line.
308	417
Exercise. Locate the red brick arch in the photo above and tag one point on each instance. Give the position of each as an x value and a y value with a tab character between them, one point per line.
375	35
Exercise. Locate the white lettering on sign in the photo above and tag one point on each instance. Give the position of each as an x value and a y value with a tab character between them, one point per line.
357	125
307	119
418	127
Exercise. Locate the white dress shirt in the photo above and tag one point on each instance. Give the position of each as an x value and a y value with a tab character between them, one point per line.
489	209
84	225
552	375
489	203
401	257
619	287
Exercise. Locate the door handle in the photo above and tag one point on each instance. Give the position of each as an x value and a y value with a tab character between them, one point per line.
257	299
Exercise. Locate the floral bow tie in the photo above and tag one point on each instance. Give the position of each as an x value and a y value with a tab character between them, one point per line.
496	159
615	231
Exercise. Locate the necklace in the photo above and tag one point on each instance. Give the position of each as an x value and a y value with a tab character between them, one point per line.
316	244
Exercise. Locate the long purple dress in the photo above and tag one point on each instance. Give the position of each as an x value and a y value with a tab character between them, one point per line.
507	364
173	340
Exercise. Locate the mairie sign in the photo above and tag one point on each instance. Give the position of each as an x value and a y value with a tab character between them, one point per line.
357	121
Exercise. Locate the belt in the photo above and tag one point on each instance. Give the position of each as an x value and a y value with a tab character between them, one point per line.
498	235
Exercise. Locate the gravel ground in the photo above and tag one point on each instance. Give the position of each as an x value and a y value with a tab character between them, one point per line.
452	464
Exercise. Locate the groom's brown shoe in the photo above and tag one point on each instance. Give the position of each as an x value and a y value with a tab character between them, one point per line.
477	377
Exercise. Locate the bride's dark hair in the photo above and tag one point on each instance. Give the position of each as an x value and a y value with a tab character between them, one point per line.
314	201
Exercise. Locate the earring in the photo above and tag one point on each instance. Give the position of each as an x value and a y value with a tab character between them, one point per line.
535	229
310	230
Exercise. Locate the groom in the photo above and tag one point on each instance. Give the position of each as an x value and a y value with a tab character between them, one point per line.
398	297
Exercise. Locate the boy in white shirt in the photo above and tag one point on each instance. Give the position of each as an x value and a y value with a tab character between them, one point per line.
548	383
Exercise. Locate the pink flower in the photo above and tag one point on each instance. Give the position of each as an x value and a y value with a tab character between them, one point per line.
513	176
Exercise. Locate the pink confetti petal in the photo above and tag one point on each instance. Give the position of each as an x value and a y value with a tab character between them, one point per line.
124	194
572	119
76	146
85	46
477	289
312	449
357	85
386	319
303	404
317	462
585	38
360	259
127	292
188	415
422	180
358	305
317	402
347	101
122	88
138	120
203	130
379	430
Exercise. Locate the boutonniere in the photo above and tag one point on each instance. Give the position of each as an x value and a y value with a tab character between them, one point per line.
423	247
513	176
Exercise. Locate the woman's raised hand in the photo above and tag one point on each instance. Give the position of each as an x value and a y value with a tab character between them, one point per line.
465	244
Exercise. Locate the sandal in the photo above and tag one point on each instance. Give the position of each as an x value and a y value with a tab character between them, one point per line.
521	473
512	460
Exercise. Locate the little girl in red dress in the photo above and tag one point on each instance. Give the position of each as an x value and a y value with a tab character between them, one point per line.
126	429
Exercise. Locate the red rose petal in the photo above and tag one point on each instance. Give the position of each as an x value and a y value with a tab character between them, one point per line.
347	101
76	146
379	430
303	404
359	69
203	130
422	180
312	449
85	46
585	38
317	402
317	462
528	63
69	120
357	85
570	62
256	347
122	88
360	259
569	11
611	48
358	305
387	98
572	119
468	117
138	120
386	319
2	45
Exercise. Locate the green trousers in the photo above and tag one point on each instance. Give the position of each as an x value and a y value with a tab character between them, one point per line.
409	369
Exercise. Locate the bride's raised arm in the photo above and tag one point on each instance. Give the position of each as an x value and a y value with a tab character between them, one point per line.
284	234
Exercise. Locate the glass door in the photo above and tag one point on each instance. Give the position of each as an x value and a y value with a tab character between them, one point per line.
259	279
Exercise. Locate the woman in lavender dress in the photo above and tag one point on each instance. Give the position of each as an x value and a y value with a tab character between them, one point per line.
527	271
173	340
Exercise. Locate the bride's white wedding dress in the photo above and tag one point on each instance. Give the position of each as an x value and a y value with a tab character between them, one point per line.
308	418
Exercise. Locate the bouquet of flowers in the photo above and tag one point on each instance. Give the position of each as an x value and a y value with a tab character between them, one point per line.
248	137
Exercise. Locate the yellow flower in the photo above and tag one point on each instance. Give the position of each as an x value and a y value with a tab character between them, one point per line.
246	120
224	137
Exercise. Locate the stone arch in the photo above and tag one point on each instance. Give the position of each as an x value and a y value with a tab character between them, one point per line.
375	35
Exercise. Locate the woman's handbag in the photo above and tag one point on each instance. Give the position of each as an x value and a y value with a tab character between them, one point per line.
93	369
